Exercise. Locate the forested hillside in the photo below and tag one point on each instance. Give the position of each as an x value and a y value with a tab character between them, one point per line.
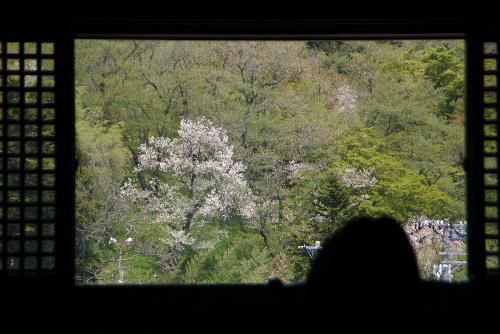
213	161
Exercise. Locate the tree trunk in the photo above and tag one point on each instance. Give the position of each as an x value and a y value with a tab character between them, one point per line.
185	108
244	136
190	216
168	261
140	176
280	209
266	242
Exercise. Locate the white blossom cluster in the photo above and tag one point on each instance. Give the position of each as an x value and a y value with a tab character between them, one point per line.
346	98
207	182
358	179
295	168
424	231
209	244
318	219
175	237
160	199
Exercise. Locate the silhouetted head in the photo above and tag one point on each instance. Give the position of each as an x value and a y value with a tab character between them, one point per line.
366	256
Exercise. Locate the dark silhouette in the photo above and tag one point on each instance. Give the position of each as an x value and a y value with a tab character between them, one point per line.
367	262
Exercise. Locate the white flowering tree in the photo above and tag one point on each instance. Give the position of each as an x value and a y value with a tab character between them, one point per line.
345	98
189	179
358	179
427	238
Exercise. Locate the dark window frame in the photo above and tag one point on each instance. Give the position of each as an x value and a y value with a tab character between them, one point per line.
474	32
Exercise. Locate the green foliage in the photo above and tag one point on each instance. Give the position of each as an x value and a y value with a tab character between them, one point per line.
399	191
444	66
241	257
103	162
332	201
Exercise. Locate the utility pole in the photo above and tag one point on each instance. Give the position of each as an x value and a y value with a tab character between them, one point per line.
120	245
121	273
450	261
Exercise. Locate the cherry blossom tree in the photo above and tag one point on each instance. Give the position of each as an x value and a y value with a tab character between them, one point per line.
191	178
358	179
346	98
427	237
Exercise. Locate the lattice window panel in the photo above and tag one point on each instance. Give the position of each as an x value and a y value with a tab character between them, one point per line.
28	165
491	147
